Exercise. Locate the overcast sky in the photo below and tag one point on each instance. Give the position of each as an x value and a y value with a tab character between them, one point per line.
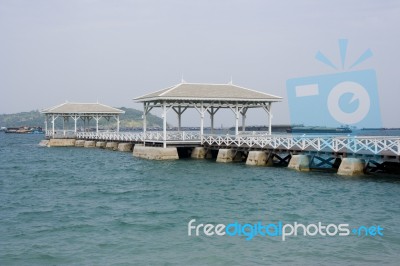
113	51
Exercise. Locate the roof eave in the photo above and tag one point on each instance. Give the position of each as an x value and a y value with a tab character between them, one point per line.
55	112
206	99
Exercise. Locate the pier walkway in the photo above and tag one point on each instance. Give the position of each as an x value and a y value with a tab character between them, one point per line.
356	145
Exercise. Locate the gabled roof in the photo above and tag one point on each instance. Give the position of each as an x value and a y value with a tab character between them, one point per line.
197	91
78	108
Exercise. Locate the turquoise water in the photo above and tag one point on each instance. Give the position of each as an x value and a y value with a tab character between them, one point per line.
82	206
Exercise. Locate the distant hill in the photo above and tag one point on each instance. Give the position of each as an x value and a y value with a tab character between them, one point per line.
131	119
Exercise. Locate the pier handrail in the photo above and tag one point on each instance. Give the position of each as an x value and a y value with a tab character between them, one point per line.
350	144
366	145
140	136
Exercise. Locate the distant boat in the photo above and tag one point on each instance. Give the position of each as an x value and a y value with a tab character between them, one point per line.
380	128
319	130
25	130
274	128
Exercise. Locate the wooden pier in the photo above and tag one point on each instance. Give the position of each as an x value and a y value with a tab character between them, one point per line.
348	155
375	153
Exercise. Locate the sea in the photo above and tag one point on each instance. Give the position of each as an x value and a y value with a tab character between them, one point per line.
79	206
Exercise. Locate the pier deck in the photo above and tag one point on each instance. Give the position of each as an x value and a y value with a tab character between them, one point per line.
357	145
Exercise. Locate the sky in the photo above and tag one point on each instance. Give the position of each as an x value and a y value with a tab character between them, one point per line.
52	51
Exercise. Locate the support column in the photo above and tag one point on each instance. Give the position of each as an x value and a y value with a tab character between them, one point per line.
75	120
269	119
64	126
300	162
155	153
228	155
164	115
351	167
97	118
144	123
212	112
179	118
88	123
243	112
97	124
118	122
45	125
201	112
52	121
198	153
259	158
267	109
243	123
201	121
179	113
212	120
237	120
84	123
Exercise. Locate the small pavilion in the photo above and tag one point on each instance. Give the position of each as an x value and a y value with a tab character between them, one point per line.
83	111
207	98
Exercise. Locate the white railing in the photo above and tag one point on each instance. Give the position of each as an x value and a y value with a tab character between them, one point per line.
61	134
375	145
117	136
350	144
138	137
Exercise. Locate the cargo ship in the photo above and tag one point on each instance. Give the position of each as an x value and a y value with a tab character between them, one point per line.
274	128
319	130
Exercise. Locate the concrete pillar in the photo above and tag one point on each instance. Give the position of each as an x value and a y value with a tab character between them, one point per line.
112	146
198	153
125	147
258	158
300	162
79	143
101	144
155	153
61	143
228	155
351	167
89	144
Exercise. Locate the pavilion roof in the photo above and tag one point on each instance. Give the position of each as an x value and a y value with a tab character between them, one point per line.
82	108
208	92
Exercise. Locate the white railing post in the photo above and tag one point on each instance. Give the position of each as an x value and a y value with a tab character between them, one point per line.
398	147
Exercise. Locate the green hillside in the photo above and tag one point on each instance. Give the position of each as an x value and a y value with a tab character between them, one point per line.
131	119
